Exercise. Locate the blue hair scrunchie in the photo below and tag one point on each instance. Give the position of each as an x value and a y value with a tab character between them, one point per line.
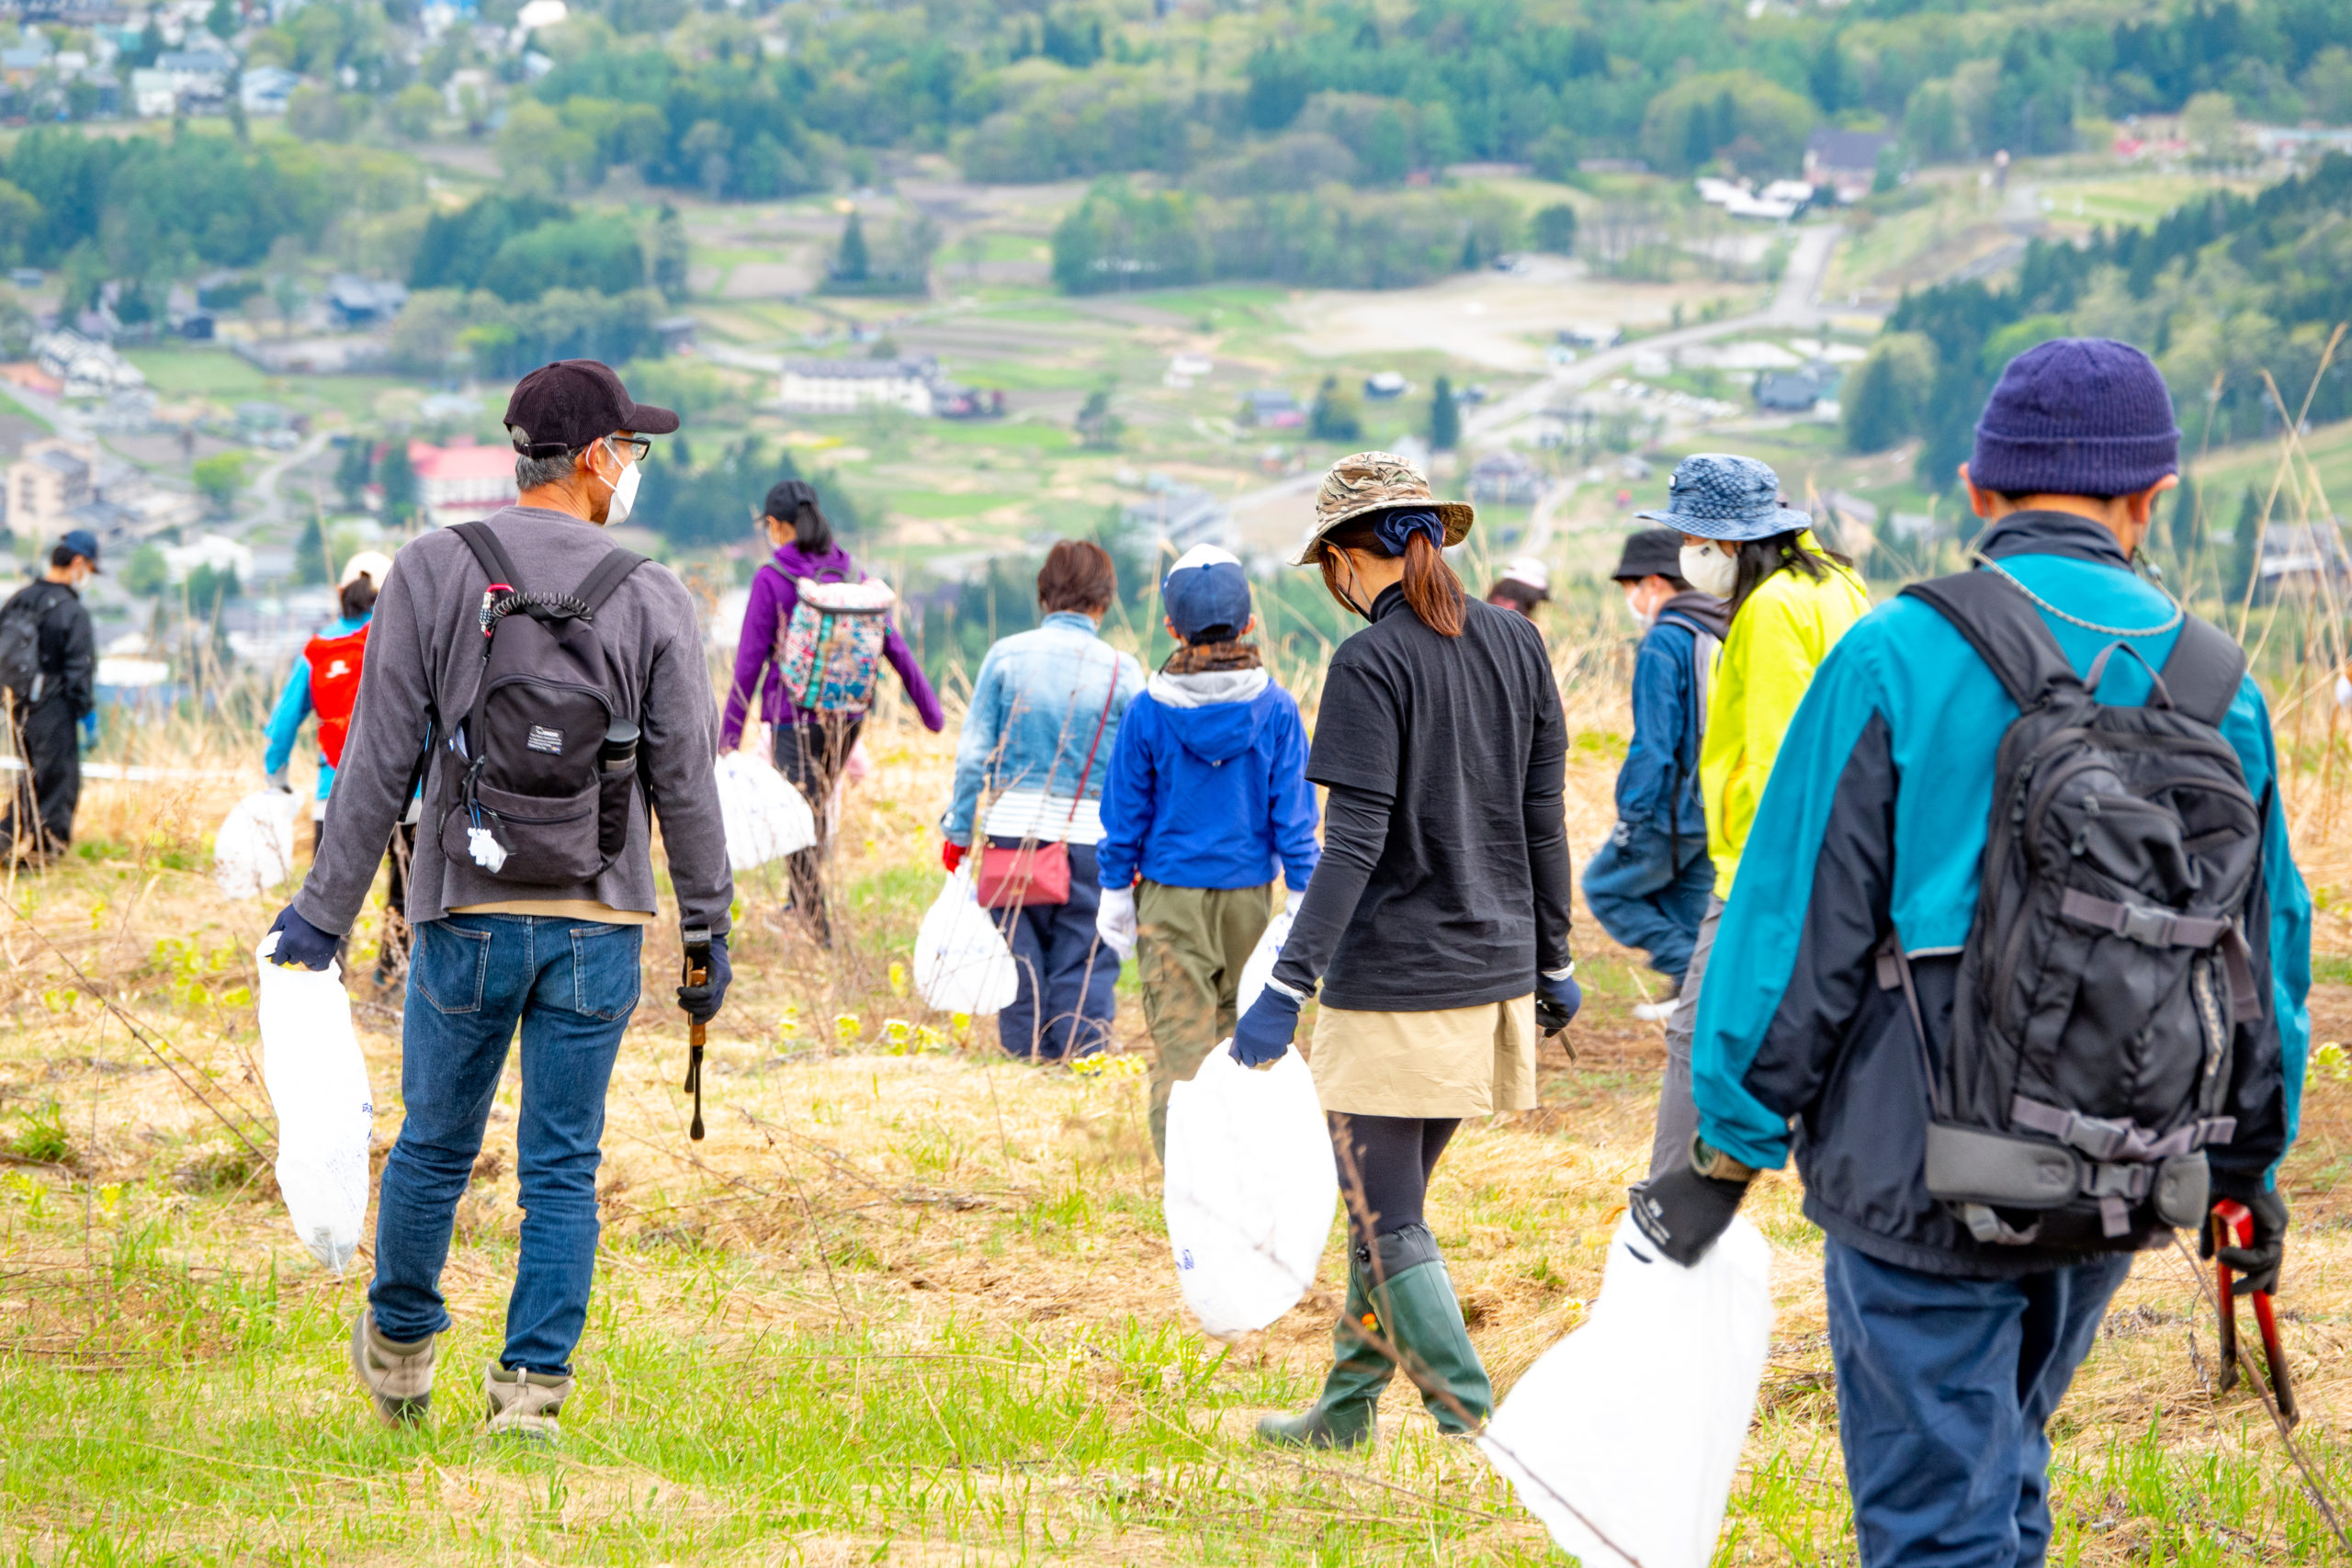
1395	529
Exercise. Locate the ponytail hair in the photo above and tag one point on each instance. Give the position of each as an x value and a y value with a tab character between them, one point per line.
1433	592
795	502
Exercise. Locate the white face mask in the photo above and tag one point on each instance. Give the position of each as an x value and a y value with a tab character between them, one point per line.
1711	568
1643	618
623	491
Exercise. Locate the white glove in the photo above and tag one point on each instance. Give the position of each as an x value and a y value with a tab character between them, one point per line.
1114	921
1297	901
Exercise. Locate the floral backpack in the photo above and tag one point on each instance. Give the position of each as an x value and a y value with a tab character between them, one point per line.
829	651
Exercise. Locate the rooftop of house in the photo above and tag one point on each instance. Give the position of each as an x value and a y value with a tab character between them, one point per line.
1856	150
921	370
471	461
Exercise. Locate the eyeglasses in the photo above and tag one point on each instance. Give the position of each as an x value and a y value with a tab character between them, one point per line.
634	449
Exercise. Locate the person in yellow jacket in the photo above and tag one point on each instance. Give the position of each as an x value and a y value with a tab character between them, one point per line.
1791	601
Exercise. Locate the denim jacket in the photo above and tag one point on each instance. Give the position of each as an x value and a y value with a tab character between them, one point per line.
1035	703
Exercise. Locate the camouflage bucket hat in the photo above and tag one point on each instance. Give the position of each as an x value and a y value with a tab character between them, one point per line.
1378	481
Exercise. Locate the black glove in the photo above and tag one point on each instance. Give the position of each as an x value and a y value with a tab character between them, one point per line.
702	1001
1557	1003
2256	1265
1683	1213
300	943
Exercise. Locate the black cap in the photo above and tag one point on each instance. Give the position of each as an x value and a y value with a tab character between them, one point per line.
786	497
565	406
1653	552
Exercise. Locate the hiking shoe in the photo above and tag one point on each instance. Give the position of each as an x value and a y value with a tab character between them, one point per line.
524	1403
397	1375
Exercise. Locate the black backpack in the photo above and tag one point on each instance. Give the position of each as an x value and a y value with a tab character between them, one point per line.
21	620
2106	971
544	765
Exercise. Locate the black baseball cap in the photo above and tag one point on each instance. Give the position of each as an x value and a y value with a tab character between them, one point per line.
786	497
563	407
1652	552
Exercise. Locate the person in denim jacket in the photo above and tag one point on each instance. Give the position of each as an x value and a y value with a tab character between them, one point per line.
1043	703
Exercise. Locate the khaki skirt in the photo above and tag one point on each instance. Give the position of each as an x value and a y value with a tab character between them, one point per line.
1469	1061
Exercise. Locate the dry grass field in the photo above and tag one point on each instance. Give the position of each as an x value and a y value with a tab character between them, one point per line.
910	1301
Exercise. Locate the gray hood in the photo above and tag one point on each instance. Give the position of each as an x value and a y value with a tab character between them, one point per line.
1207	688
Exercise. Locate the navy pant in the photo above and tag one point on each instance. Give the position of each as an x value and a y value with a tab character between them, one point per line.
570	984
1643	896
1067	977
1944	1388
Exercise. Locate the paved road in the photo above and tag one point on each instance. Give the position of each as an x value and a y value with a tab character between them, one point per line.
1794	305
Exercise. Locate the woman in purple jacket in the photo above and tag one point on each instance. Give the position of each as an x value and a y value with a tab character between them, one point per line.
810	748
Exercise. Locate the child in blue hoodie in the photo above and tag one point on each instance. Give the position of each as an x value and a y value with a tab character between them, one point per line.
1206	798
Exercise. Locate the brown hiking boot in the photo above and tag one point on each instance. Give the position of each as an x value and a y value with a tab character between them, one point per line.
523	1403
396	1376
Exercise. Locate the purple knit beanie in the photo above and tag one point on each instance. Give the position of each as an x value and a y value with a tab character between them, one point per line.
2076	416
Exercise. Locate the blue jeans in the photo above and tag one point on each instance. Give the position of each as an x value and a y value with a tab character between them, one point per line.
1643	896
472	978
1944	1388
1067	977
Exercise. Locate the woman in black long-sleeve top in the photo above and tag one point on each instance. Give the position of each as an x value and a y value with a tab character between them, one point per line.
1437	923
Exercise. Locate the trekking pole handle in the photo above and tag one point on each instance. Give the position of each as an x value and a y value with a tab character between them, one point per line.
2234	1227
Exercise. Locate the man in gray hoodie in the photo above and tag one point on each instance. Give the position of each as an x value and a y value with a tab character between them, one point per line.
560	963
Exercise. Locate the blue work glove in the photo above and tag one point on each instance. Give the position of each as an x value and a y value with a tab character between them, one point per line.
301	943
702	1001
1557	1002
1264	1033
89	732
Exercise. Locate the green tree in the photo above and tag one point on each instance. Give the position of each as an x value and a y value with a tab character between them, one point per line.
852	263
2185	528
2246	546
1335	415
1098	428
1882	402
219	478
146	572
209	588
1707	114
311	554
354	468
1555	229
412	110
1445	418
671	255
397	474
222	20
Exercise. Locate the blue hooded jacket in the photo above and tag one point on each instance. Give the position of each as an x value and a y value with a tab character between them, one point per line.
1875	819
1208	787
1657	787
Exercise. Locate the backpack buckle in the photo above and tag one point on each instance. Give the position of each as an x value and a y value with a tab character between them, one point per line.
2151	928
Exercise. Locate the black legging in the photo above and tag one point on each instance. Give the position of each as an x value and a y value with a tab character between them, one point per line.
1384	1168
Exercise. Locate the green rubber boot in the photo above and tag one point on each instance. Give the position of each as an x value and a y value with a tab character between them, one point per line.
1425	1320
1343	1417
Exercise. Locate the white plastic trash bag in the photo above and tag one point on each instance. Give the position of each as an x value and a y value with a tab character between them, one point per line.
1636	1420
764	817
254	850
1252	1187
961	961
1262	959
318	1085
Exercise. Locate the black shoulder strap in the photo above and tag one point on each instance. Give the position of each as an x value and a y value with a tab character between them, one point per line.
598	586
483	542
2204	670
2001	623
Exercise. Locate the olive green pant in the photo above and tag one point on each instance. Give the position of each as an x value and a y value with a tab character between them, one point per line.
1191	944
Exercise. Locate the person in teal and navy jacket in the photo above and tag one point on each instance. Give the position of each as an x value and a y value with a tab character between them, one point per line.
1954	1338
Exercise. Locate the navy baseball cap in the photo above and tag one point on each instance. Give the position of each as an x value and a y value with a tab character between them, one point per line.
1716	495
83	543
1207	595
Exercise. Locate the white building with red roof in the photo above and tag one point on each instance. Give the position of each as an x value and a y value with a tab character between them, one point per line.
461	482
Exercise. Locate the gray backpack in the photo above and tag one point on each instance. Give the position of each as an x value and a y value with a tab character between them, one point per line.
2107	971
544	765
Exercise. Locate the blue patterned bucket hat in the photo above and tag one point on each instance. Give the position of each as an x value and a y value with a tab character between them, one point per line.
1719	496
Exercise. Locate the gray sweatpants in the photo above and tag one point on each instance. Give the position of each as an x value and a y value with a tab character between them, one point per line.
1677	1114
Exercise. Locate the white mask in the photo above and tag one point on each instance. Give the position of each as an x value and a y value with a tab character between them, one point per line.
624	492
1643	618
1711	568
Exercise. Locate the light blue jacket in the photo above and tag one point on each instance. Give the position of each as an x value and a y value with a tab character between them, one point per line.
294	706
1035	703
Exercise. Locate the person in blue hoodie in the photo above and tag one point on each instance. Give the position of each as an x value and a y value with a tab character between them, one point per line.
1206	802
1649	882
